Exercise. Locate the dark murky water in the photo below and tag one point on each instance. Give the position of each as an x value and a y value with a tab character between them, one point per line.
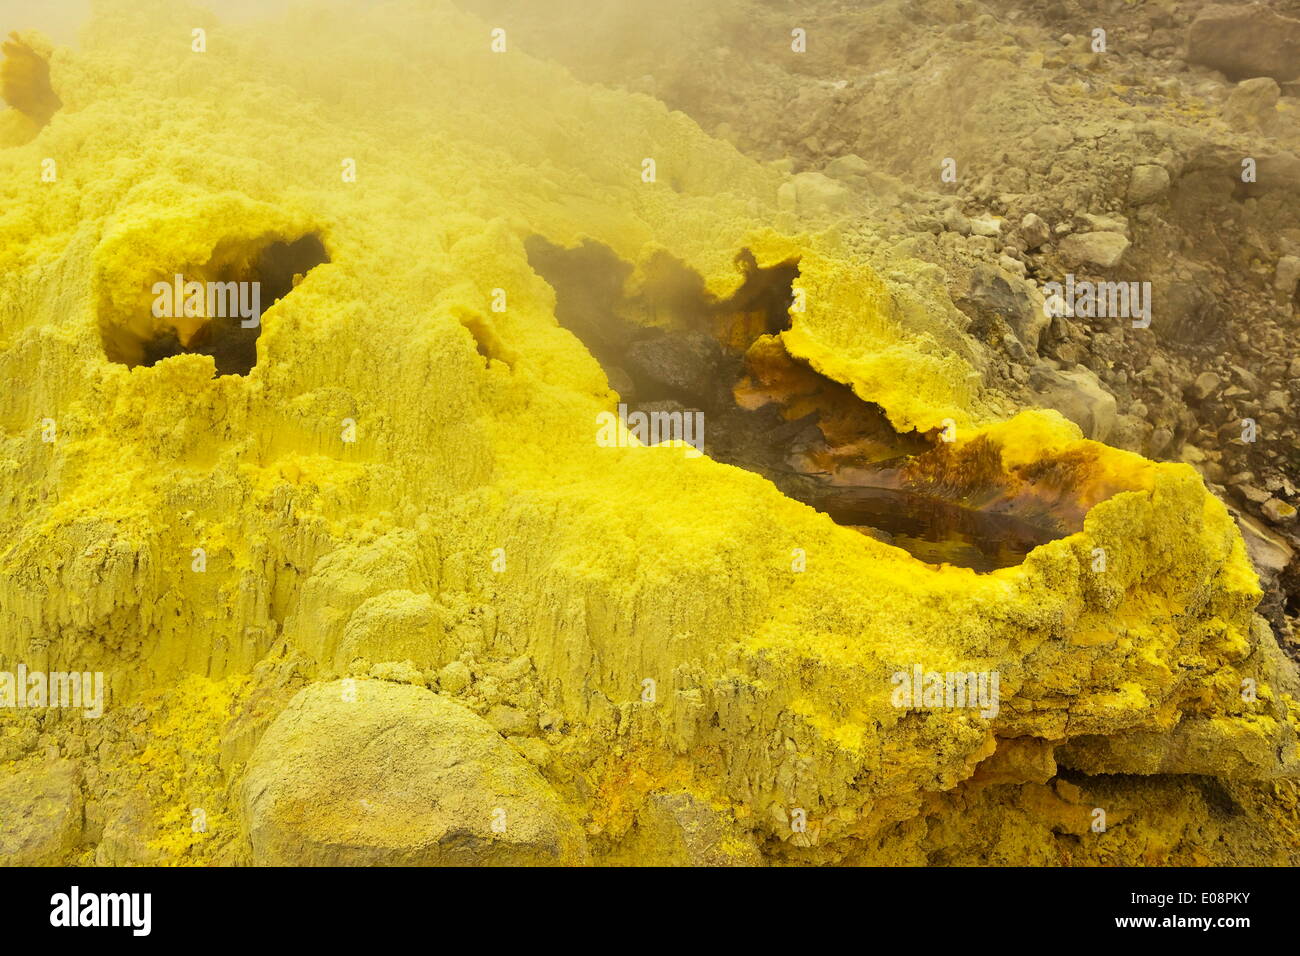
697	366
935	530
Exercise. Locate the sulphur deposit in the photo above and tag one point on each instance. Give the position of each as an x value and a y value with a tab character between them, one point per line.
364	586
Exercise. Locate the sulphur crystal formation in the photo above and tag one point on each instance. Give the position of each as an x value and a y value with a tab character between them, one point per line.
378	596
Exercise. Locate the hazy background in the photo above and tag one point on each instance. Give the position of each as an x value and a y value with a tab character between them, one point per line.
60	19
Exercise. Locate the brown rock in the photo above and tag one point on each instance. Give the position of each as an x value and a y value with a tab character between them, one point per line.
1253	104
1102	249
40	812
1278	511
1034	230
1245	41
1206	384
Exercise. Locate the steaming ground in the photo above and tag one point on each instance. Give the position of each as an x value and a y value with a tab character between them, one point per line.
366	585
1064	156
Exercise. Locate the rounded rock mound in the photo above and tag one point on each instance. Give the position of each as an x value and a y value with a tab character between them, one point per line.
373	773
